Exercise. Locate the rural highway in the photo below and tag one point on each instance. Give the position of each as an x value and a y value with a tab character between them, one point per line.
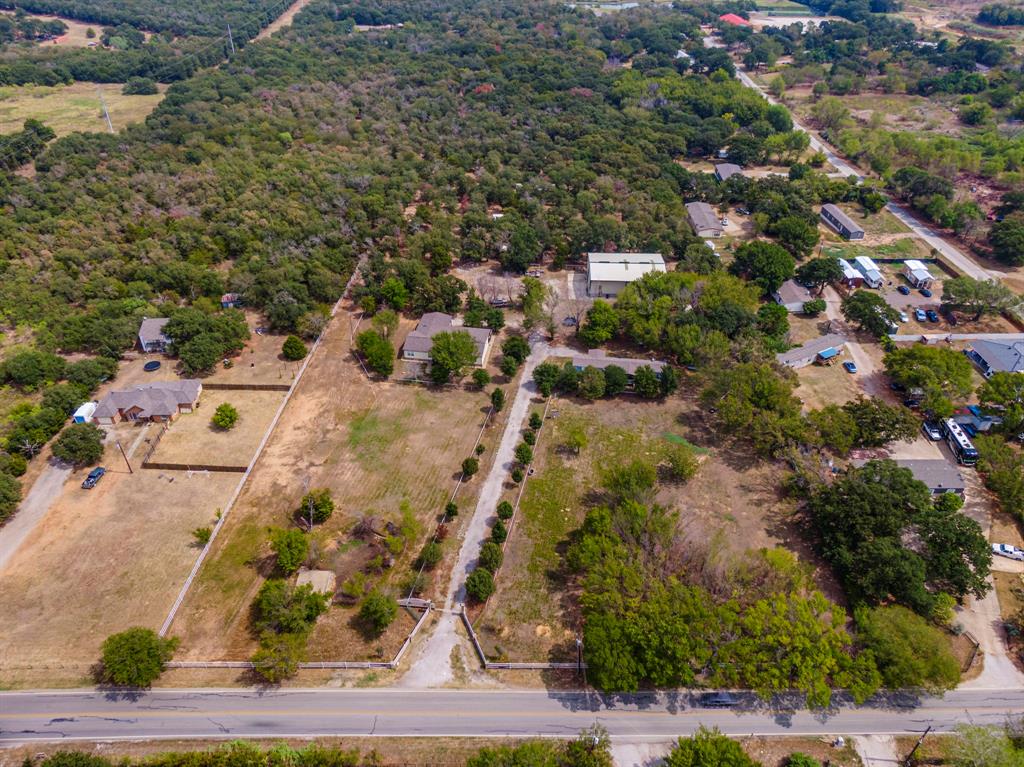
238	713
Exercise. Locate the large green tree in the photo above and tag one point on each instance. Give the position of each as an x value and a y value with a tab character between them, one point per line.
135	657
978	296
450	354
764	263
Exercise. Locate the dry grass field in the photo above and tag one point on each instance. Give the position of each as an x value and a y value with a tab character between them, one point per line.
99	562
191	438
76	35
380	447
72	108
732	505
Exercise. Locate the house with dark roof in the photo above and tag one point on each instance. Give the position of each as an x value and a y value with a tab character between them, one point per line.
704	220
940	475
792	295
992	356
151	334
419	342
156	402
727	170
840	222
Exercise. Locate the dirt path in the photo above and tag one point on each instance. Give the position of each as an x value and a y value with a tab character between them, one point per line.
640	753
431	665
876	750
44	492
981	617
869	377
284	20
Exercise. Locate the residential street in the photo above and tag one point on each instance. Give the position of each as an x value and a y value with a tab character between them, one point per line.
234	713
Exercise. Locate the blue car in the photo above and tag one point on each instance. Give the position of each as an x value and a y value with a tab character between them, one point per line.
850	367
904	290
925	292
919	315
94	476
932	315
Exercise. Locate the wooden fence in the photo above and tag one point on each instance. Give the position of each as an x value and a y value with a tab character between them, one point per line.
246	387
194	467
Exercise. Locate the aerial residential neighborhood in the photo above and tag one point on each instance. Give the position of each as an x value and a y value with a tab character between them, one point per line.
590	384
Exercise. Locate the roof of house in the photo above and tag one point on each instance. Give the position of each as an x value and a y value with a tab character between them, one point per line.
622	267
727	169
1001	357
838	215
937	473
849	272
917	268
229	297
85	410
160	398
152	329
732	18
432	323
867	265
792	292
600	360
812	348
702	216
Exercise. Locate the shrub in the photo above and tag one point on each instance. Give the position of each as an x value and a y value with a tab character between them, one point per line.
499	533
430	556
293	349
536	420
138	86
516	348
480	449
498	400
10	495
530	437
225	416
479	585
202	535
378	352
517	475
798	759
451	509
508	366
279	656
481	378
470	466
13	464
30	368
136	657
65	397
291	548
81	444
377	612
524	454
491	556
320	503
814	307
682	463
505	510
280	608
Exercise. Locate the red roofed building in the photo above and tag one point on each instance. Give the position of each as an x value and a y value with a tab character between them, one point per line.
732	18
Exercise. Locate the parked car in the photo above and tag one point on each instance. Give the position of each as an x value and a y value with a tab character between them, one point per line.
94	476
743	211
919	315
535	273
152	365
932	315
904	290
725	222
569	322
932	431
850	367
904	317
970	428
718	700
925	292
1006	550
500	302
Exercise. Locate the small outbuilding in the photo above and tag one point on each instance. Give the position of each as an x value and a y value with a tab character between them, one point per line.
151	334
851	277
917	273
231	301
840	222
608	274
727	170
84	412
792	295
703	219
869	270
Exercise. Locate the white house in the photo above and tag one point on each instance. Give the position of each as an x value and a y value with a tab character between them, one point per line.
419	342
868	268
609	273
917	273
851	277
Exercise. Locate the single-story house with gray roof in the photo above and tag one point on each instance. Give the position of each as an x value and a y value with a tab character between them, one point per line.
827	347
419	342
727	170
598	359
156	402
997	356
792	295
151	334
704	220
840	222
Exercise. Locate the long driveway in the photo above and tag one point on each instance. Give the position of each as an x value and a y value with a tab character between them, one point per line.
235	713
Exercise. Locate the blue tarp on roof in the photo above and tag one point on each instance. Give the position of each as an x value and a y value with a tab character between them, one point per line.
829	353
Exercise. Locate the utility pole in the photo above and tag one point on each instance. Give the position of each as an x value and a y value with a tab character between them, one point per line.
231	40
103	105
910	757
126	461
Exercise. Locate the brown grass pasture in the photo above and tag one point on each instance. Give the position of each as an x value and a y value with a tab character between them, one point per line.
381	448
73	108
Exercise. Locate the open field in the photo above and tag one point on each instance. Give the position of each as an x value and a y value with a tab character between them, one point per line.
822	385
100	561
191	438
75	37
72	108
733	503
387	451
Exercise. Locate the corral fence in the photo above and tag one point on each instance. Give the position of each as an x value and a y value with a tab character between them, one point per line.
246	387
490	665
194	467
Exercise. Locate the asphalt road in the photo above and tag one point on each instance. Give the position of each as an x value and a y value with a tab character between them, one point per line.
235	713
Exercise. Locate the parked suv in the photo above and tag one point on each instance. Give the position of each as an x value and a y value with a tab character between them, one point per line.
94	476
718	700
932	431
